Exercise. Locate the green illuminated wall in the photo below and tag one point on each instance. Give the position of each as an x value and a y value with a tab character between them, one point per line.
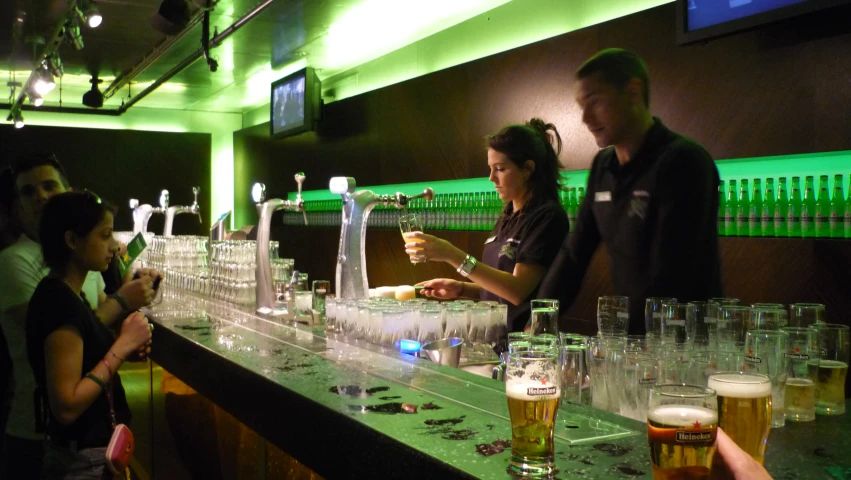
220	125
828	163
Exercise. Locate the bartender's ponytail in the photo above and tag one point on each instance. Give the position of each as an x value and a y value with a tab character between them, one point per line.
540	142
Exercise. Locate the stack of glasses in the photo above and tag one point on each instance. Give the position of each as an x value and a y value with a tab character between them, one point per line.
386	322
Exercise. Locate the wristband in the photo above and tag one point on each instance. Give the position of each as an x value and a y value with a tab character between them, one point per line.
467	266
91	376
121	301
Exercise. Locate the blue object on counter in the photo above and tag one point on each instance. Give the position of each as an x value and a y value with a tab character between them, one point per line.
409	346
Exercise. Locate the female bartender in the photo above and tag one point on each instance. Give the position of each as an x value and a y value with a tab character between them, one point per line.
524	169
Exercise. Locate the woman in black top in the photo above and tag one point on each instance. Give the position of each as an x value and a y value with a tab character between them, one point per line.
75	357
524	168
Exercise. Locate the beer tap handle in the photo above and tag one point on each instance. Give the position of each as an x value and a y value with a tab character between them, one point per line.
195	208
299	180
164	200
134	203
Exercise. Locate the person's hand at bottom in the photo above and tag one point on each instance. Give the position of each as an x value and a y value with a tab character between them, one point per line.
737	463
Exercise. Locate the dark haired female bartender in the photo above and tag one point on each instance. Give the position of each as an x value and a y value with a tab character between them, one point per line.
524	168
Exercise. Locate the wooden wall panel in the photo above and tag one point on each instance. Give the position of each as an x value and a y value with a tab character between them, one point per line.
123	164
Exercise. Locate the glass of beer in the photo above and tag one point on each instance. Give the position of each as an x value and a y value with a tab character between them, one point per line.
533	388
409	223
613	315
766	353
744	409
682	421
832	344
800	398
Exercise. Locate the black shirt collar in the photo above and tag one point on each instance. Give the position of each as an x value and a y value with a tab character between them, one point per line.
653	139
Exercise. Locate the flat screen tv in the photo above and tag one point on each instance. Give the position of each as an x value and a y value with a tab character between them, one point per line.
701	20
295	104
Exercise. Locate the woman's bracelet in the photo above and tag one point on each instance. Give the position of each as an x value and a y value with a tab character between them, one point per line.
125	307
91	376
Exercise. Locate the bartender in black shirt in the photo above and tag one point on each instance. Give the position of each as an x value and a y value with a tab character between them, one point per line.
652	197
524	168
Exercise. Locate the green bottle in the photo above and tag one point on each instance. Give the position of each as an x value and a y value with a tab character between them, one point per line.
823	208
722	207
793	219
755	211
562	198
837	209
767	214
730	210
571	206
580	197
808	209
781	210
743	210
848	211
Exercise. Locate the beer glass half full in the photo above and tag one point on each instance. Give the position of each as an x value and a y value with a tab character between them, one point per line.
533	388
831	343
744	409
682	421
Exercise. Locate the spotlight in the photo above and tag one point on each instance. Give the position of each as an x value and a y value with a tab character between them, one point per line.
73	35
44	83
172	17
36	99
18	119
93	16
93	98
54	63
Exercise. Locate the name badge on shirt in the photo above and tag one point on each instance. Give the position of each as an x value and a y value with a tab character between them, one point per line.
490	240
602	196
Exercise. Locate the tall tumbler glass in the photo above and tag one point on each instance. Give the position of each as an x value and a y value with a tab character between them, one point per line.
613	315
532	385
744	409
732	325
682	422
832	344
544	316
653	315
678	324
768	317
805	314
706	326
766	354
637	374
800	397
575	386
409	223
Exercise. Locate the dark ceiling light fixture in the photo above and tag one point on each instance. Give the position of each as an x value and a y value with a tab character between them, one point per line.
72	33
93	98
172	17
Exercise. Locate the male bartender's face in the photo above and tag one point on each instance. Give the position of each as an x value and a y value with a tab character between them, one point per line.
605	109
35	188
508	178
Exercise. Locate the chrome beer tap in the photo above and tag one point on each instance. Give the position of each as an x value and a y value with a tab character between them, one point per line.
351	279
193	209
263	275
142	213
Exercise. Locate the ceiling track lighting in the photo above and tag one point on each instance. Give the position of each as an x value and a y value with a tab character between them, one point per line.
92	14
16	117
73	34
54	64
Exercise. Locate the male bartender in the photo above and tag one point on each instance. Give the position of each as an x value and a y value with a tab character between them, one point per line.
652	197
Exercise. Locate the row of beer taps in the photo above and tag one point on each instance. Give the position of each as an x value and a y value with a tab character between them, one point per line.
142	213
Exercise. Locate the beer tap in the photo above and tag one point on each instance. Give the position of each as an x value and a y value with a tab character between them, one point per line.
193	209
351	280
263	275
142	213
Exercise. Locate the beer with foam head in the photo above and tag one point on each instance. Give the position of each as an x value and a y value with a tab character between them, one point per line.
682	441
533	391
744	409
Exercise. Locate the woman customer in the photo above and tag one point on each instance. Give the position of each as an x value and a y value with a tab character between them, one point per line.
524	168
74	356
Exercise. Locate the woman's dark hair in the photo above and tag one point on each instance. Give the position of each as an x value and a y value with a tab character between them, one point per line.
77	212
539	142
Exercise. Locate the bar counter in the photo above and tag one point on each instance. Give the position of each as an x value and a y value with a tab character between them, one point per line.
347	411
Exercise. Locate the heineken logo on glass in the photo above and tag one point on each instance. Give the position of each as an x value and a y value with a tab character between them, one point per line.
797	355
541	391
694	437
750	358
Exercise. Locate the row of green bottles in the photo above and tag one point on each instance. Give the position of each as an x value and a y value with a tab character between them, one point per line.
571	199
781	213
458	211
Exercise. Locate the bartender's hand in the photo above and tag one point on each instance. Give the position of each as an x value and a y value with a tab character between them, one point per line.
434	249
441	288
739	464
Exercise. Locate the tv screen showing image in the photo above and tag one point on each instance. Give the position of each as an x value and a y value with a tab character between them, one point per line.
295	103
700	20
